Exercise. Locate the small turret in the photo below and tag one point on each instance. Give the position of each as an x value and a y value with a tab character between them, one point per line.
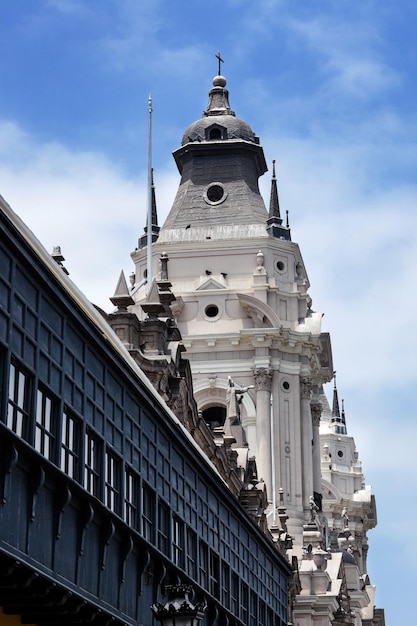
274	221
335	407
338	421
143	240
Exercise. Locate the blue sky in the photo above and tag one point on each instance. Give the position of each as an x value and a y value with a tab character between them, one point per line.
330	87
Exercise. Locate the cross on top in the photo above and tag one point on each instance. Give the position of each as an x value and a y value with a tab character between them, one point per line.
220	60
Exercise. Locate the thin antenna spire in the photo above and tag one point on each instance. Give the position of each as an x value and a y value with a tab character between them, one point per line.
149	203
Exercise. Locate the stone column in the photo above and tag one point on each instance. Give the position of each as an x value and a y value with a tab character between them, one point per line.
316	414
263	382
306	442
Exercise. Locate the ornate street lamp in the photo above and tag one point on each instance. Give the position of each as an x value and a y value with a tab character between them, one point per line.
179	610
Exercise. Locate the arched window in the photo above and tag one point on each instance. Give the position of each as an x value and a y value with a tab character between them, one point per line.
215	133
215	416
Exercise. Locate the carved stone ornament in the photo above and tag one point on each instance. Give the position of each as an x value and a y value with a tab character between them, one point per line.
305	388
316	410
263	379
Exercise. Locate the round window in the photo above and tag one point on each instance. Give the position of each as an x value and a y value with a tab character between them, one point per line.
286	385
215	194
280	265
212	310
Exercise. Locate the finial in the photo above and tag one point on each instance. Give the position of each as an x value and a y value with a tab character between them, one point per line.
287	221
122	299
57	256
164	265
273	168
220	60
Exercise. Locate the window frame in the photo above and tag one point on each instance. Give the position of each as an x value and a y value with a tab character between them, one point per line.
148	512
112	480
45	423
131	503
178	542
93	453
163	529
19	399
70	446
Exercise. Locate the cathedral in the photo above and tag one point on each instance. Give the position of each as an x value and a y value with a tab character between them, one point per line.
244	311
176	461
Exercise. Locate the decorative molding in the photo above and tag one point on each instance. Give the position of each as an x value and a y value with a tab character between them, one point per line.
263	378
306	387
316	409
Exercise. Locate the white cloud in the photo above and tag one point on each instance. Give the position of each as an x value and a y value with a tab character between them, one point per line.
357	233
349	49
358	244
136	45
80	201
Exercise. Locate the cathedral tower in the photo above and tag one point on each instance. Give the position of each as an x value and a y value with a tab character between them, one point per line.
242	304
259	359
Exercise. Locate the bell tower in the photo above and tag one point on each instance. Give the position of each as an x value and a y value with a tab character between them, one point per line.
242	303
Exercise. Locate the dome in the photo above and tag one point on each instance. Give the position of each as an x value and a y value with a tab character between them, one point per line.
219	122
218	127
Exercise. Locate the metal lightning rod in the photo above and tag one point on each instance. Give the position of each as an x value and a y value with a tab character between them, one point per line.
149	203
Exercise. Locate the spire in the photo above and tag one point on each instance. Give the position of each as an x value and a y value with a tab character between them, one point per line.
122	298
274	221
274	202
143	240
335	408
218	96
218	103
338	421
155	228
343	414
207	147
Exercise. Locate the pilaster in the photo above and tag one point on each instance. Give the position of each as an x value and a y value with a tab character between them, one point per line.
263	384
306	442
316	410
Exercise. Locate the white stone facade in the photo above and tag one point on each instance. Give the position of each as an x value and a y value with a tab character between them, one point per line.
244	311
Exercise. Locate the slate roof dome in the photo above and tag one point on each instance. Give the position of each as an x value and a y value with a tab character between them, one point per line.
219	122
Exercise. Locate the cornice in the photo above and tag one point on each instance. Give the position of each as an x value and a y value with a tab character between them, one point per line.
181	248
282	338
234	146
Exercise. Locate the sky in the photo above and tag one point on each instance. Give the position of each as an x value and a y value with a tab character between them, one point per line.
330	88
